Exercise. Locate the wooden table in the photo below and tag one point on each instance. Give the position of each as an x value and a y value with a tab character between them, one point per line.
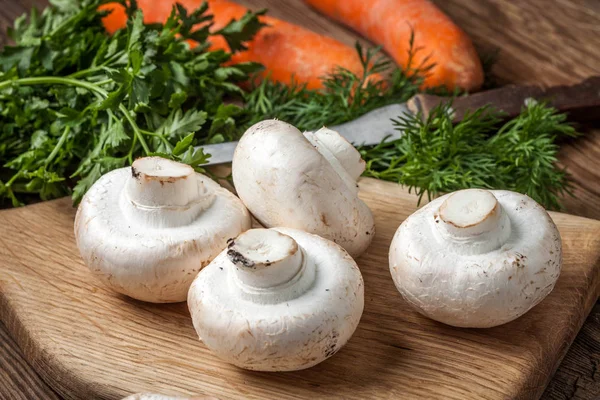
540	41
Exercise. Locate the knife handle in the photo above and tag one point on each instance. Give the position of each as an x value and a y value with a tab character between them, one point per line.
581	101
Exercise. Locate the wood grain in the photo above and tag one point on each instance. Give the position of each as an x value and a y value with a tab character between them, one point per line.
87	342
540	41
18	381
579	374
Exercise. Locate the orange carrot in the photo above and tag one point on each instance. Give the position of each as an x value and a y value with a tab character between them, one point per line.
436	38
286	50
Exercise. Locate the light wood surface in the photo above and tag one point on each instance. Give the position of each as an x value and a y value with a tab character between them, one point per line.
87	342
539	41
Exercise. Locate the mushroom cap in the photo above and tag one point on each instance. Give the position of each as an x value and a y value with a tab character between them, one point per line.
477	262
305	182
292	325
138	250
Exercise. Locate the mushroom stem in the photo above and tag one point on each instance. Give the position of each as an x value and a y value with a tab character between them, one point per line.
164	193
475	219
265	258
340	153
269	263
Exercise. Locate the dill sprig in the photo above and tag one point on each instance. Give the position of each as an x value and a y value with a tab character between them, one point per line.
344	97
436	156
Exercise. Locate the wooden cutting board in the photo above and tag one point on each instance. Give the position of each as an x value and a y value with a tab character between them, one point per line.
89	343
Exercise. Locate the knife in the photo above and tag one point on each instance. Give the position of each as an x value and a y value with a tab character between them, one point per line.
581	101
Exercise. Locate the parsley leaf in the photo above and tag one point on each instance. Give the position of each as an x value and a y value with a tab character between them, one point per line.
76	102
238	32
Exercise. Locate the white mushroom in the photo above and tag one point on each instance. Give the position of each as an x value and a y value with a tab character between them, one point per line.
147	230
303	181
277	300
476	258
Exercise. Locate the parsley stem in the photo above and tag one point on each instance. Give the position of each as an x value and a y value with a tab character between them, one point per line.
49	80
130	155
135	128
161	137
58	146
100	67
84	72
14	178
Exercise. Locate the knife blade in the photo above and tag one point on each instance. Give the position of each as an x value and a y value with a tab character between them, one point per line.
581	101
368	129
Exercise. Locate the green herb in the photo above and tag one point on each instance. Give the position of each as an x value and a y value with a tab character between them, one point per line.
345	95
435	156
76	103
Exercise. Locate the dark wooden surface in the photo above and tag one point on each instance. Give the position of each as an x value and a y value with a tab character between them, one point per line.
539	41
18	381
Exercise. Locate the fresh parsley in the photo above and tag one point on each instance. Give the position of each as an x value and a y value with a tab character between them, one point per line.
76	103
